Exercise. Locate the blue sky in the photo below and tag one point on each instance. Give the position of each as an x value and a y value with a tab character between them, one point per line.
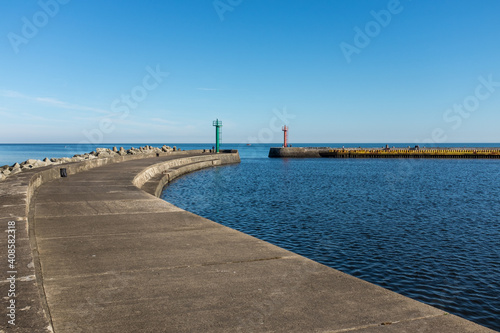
334	71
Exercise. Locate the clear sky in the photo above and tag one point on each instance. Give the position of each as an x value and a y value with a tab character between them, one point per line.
334	71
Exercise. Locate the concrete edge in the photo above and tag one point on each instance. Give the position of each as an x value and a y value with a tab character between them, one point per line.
170	170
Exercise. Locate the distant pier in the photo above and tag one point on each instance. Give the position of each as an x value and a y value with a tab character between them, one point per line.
384	152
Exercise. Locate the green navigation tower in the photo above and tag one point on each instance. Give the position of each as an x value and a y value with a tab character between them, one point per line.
218	124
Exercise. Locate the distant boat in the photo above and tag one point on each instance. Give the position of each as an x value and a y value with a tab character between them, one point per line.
249	144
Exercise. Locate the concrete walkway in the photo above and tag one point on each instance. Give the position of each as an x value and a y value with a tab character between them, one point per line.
113	258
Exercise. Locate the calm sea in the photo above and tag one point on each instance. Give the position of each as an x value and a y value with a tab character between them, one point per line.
427	229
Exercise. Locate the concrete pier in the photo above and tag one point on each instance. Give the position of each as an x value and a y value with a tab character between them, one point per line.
297	152
99	252
415	152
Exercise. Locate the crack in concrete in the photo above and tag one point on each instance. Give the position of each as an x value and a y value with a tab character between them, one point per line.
351	329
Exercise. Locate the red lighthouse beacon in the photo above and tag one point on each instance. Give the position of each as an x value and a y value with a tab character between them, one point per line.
285	135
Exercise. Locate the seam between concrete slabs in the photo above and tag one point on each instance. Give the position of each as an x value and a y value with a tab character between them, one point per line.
105	214
169	268
129	233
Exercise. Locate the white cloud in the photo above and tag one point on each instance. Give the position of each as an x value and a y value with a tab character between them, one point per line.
164	121
208	89
51	101
37	118
7	114
48	100
11	93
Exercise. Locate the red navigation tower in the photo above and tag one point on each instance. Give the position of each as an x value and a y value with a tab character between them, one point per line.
285	130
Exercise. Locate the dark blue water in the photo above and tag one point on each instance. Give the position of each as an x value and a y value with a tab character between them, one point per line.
427	229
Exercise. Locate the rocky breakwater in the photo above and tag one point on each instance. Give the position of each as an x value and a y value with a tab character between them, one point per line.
6	170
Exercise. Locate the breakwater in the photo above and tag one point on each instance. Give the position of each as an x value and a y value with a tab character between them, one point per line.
30	310
384	152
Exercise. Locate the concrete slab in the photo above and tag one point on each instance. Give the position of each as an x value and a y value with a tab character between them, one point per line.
56	227
12	211
81	255
92	196
29	312
257	296
108	207
443	323
12	199
71	188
